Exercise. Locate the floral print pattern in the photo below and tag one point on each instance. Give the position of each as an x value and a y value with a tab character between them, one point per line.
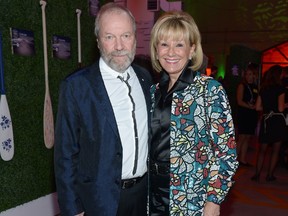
202	146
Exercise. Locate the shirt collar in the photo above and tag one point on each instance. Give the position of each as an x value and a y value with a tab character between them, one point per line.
105	68
185	78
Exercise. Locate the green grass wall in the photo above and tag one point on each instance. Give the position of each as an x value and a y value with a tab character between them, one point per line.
29	174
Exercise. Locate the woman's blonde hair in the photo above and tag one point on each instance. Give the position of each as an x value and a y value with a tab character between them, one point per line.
176	25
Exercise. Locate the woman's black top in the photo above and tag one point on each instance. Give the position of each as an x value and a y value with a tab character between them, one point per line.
161	117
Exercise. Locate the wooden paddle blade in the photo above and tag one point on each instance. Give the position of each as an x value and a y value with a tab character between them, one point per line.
6	131
48	122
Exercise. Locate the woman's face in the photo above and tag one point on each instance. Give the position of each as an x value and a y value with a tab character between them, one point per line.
249	76
173	55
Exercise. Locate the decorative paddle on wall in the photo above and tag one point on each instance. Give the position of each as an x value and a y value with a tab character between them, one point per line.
78	12
6	130
48	122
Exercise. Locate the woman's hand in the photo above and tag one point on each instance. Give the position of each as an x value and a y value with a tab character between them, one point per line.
211	209
251	106
81	214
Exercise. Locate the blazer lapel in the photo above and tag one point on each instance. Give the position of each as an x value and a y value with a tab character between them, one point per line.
101	96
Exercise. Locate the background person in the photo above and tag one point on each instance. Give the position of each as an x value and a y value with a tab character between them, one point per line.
101	142
247	116
271	101
193	151
284	146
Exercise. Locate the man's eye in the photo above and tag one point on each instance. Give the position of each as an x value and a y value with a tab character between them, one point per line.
126	36
109	37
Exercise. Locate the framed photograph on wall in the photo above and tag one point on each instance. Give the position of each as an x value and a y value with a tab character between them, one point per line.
93	6
61	47
22	42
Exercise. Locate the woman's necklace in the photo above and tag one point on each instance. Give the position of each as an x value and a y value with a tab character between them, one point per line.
252	101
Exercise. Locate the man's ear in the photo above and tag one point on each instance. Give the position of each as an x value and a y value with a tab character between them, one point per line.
97	43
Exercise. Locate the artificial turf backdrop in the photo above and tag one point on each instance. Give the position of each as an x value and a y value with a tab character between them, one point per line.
29	174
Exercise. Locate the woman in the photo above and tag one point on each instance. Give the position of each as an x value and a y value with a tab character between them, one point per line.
284	148
271	101
193	150
247	116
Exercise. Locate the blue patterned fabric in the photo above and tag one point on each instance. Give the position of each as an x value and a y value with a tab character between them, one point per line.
202	146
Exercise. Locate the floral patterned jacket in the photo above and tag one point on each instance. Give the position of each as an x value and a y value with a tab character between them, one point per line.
202	146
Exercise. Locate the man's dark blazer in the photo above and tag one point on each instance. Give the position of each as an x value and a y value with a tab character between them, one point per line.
88	151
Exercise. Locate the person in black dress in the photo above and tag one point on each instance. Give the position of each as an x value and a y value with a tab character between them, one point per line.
247	92
271	101
284	148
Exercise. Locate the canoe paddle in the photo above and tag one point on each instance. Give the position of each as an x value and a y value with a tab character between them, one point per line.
48	122
78	12
6	130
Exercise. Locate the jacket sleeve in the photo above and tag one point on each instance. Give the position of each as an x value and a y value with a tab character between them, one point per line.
222	133
66	152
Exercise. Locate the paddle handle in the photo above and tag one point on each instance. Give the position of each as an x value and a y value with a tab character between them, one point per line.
1	66
78	12
43	7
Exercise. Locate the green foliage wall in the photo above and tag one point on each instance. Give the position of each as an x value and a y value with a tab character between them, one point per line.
29	174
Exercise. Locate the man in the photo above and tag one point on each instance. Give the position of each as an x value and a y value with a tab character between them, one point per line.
101	141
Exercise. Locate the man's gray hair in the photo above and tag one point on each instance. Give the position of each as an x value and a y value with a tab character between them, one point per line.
112	7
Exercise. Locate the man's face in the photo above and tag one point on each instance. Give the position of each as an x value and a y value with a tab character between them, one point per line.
117	42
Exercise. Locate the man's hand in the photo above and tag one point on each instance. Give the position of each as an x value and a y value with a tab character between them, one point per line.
211	209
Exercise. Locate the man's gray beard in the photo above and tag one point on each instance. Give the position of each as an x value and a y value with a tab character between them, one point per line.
119	68
114	65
